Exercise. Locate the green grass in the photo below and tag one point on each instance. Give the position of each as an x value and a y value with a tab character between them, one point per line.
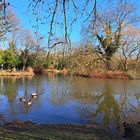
54	132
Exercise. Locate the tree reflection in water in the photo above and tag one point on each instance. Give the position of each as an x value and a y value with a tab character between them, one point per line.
110	110
100	104
108	107
103	108
105	102
11	89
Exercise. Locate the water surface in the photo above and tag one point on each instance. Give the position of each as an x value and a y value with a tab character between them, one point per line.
69	100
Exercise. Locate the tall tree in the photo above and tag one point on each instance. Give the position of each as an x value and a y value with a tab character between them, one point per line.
28	46
10	56
106	31
130	47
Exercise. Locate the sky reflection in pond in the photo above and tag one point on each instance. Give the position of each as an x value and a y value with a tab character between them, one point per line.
71	100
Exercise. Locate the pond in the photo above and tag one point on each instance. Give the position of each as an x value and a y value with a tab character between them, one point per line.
70	100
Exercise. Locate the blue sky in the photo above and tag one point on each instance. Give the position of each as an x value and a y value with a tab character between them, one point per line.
27	21
20	8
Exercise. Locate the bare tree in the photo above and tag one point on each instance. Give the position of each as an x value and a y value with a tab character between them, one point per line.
69	10
51	10
8	20
28	45
130	46
106	31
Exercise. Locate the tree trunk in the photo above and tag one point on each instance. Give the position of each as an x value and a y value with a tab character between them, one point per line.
125	65
108	63
24	64
23	68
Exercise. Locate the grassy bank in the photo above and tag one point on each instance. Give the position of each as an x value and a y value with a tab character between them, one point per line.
30	131
18	73
64	71
98	74
26	131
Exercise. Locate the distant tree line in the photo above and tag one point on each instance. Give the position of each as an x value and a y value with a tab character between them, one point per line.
110	36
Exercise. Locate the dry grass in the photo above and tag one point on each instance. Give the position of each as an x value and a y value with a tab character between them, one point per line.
19	73
98	74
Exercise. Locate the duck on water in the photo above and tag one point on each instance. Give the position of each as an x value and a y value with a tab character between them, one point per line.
22	99
34	95
29	103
